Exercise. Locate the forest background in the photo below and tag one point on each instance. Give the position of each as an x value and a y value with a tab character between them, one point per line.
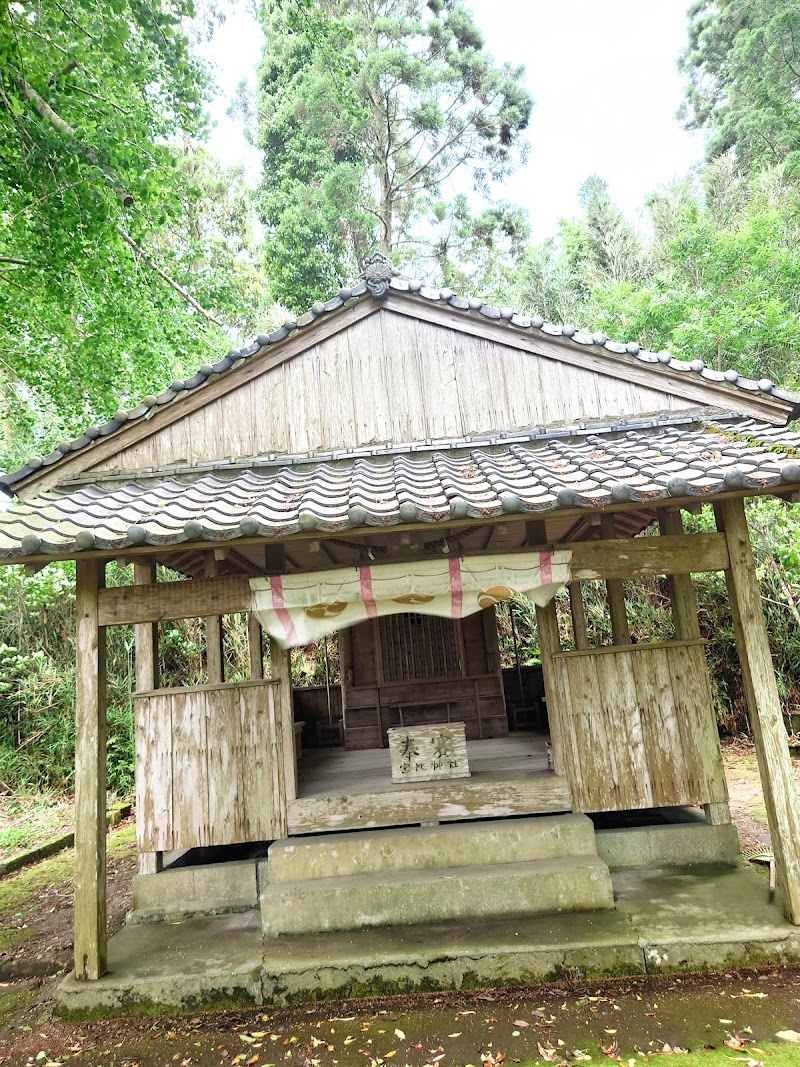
128	255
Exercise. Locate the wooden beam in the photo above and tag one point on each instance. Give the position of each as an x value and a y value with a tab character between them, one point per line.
766	716
167	601
440	802
215	653
90	776
620	631
681	590
579	630
634	558
642	557
146	678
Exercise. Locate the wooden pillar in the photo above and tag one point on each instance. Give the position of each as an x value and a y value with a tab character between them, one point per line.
215	658
146	668
766	717
579	630
549	644
254	640
681	589
281	665
615	590
90	775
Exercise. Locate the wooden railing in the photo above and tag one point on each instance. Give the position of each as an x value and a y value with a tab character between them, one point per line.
211	765
637	726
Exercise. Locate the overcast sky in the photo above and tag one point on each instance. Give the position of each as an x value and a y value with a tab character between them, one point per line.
604	79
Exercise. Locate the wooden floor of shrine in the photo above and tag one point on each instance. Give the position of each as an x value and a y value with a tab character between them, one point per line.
339	790
333	770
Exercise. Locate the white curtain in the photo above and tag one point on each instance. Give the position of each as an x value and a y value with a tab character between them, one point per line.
298	608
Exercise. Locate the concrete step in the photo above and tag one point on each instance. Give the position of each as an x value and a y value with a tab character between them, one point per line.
424	848
410	897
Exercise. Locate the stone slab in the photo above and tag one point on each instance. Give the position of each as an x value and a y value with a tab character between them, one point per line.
701	917
206	962
409	848
449	956
663	845
207	889
666	920
406	898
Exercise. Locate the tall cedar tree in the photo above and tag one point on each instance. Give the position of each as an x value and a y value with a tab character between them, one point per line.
743	65
363	118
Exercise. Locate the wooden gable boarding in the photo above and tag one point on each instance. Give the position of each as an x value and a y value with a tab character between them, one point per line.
398	371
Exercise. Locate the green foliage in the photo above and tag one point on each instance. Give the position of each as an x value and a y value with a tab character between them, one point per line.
356	150
719	280
100	198
743	69
37	691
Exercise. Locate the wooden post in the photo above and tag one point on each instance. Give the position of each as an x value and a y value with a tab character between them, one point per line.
681	590
254	639
579	630
90	775
146	667
550	643
215	657
766	717
615	590
281	663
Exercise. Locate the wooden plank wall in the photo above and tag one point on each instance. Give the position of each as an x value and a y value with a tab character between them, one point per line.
640	727
210	763
389	377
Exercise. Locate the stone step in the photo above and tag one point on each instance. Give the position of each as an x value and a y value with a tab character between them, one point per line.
413	897
424	848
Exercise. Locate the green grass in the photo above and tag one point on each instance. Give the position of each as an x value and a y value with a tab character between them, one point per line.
21	894
27	821
770	1053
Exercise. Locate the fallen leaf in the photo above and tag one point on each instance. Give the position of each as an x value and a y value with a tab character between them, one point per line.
735	1041
612	1050
457	1034
521	1022
400	1034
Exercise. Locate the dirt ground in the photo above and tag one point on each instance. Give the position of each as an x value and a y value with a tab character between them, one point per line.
36	917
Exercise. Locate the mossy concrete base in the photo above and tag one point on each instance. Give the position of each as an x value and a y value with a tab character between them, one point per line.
690	918
706	916
448	956
204	889
668	844
205	962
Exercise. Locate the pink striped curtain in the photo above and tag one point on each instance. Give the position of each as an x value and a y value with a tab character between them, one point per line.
295	609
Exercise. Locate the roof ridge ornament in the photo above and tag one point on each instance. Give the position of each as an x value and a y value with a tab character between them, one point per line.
377	273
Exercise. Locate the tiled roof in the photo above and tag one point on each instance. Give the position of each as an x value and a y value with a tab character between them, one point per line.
584	466
379	281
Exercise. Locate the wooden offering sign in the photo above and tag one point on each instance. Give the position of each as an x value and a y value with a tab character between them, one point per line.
426	753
